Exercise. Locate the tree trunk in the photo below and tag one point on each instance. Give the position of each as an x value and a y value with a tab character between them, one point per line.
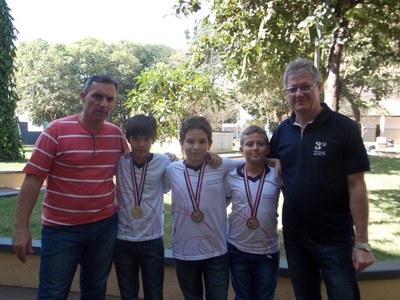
356	112
332	84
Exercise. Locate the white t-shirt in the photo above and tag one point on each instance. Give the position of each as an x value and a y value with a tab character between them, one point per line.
263	239
207	238
150	225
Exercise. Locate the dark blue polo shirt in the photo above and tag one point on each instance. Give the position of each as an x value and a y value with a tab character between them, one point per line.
315	164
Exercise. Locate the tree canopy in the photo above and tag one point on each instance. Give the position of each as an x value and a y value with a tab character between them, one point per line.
50	76
10	141
239	52
173	93
355	44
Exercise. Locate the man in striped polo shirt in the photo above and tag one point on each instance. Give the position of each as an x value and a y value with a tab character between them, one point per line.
77	156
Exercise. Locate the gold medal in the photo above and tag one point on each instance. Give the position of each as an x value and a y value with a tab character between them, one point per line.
197	216
252	223
137	212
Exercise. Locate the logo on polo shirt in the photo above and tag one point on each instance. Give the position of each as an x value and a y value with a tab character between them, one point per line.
319	148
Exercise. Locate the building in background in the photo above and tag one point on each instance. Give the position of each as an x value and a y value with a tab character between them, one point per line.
29	131
382	123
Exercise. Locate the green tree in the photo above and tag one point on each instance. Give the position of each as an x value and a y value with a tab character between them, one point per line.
50	76
360	51
149	55
47	81
171	94
124	66
371	71
126	61
10	140
251	41
92	57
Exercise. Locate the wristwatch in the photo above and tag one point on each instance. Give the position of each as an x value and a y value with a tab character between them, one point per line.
363	246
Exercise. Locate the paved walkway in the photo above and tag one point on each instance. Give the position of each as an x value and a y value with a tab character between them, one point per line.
4	192
8	192
17	293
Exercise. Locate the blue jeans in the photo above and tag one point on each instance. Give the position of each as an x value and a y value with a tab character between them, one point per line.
65	247
254	276
310	261
148	256
216	278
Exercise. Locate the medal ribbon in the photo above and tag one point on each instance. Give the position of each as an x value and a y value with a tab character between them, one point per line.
253	205
194	198
138	190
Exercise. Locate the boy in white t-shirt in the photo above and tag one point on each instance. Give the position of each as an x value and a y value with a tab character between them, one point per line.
199	214
140	204
253	244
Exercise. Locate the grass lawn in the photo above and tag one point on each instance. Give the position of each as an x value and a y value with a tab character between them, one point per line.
19	164
383	184
7	210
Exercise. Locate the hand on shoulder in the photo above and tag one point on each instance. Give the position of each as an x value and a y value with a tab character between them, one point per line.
172	156
213	159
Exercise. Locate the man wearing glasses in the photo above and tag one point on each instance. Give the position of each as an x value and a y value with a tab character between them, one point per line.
325	210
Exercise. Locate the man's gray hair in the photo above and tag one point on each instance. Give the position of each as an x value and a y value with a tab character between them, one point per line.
301	65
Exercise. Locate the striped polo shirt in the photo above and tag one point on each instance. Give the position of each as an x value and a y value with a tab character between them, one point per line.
79	167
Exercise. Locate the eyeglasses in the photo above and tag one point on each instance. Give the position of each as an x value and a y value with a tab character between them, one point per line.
304	89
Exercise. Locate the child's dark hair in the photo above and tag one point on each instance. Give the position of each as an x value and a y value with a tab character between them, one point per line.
253	129
195	122
141	125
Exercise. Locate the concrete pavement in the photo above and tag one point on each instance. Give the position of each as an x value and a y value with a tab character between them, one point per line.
18	293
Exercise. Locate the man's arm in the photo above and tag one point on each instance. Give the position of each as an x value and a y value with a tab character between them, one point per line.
26	199
359	211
